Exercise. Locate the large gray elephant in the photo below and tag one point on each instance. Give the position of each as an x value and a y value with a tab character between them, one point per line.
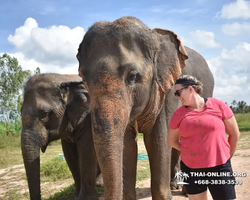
129	71
57	107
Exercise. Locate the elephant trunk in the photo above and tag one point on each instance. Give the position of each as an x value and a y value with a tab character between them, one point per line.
31	158
110	119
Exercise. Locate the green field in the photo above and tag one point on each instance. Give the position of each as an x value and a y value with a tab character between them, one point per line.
243	121
55	173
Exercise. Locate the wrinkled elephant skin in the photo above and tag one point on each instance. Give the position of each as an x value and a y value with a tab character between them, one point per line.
57	107
129	71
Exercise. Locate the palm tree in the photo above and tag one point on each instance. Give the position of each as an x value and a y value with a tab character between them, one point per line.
185	176
178	175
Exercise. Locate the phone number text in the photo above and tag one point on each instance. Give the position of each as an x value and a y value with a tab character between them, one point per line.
218	182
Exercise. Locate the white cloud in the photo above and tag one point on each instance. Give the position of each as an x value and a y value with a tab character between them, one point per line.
32	64
232	81
237	9
236	28
214	64
229	90
238	58
201	39
231	65
53	46
230	70
22	33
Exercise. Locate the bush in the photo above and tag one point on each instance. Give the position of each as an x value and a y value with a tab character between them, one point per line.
54	169
12	128
67	193
2	130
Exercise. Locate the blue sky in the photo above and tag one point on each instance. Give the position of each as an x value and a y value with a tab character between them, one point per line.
47	33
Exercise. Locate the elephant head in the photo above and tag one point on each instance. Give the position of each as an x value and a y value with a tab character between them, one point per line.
128	69
54	107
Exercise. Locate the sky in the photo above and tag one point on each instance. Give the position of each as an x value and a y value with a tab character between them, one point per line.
47	33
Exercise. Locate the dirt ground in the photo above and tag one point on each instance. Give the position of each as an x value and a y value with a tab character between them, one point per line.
240	162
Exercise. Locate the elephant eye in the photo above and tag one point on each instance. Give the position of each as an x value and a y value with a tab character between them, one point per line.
132	77
45	116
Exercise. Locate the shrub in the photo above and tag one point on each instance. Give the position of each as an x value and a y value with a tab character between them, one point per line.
55	169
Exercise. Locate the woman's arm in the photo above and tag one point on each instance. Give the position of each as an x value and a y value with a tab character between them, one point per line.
232	130
173	138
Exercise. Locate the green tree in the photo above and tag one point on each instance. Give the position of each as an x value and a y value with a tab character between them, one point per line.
37	71
247	109
234	106
242	106
12	79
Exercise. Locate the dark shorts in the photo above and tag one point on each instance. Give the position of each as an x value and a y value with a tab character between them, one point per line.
219	180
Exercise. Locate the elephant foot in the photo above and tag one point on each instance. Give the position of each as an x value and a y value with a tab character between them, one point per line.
87	197
76	195
90	195
174	186
183	191
99	180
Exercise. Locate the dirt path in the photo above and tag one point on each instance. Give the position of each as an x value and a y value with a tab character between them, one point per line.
10	178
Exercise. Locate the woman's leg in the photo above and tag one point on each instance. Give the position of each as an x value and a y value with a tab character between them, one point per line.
200	196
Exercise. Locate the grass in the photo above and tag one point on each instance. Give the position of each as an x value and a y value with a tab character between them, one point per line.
244	142
243	121
143	171
10	151
54	169
54	172
66	194
10	141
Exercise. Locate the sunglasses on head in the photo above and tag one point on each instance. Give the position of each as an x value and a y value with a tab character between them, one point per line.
178	92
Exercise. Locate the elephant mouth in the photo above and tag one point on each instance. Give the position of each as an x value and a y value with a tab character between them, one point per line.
45	142
44	147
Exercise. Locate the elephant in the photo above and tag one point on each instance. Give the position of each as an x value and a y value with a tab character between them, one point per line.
57	107
129	71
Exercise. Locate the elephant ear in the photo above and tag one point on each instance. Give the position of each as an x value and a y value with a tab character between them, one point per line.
76	98
170	59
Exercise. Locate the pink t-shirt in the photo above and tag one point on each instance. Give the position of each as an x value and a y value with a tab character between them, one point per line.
203	139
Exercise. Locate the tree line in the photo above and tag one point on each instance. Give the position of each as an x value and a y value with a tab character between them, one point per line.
240	107
12	80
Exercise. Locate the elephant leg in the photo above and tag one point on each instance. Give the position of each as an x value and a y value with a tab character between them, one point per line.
175	166
129	165
87	163
72	159
159	154
99	179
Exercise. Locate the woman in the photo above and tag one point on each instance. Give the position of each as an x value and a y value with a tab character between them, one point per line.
197	129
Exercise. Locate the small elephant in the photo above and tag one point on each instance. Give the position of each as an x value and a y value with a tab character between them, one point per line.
129	71
57	107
